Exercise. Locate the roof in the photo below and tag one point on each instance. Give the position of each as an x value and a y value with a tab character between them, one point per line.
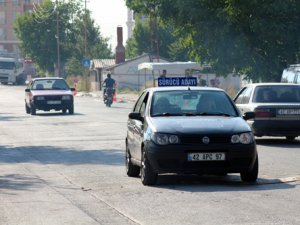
136	58
103	63
6	59
169	65
48	78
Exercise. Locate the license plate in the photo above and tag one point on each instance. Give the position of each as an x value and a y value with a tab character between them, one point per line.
54	102
208	156
288	111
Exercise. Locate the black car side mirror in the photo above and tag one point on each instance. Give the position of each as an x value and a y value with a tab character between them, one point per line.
72	89
248	115
27	90
136	116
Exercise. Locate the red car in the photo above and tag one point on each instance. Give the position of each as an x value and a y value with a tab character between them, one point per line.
49	93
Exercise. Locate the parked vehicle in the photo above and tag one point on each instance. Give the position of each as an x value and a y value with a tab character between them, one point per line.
276	106
108	96
11	71
49	93
291	74
196	130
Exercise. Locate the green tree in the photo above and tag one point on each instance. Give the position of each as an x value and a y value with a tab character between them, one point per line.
256	38
38	33
96	45
141	41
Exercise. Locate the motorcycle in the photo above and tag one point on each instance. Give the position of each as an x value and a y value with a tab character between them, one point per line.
108	96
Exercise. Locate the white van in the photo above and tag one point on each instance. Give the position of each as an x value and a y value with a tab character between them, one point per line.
291	74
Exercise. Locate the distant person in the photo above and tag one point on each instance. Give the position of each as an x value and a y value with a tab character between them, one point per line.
162	105
108	83
267	96
164	73
206	104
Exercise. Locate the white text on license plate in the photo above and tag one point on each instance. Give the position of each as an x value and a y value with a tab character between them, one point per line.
207	156
54	102
288	111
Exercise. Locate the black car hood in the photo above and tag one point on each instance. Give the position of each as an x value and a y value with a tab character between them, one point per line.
199	125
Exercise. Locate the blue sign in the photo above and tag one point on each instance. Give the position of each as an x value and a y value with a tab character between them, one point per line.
86	63
176	81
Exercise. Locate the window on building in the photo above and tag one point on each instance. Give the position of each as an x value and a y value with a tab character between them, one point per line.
16	2
2	34
27	1
2	17
3	2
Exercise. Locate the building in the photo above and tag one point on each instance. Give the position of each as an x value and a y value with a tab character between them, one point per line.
9	9
128	76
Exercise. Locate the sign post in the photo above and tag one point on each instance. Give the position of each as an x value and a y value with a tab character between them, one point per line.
86	63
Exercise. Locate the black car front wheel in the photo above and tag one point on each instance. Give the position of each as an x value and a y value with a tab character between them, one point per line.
251	175
148	176
131	170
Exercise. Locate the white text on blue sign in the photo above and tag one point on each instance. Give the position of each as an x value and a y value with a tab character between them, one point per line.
177	81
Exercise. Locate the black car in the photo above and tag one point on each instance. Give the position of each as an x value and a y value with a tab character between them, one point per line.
189	130
50	93
276	106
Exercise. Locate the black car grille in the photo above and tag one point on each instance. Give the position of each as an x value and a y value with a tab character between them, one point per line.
198	139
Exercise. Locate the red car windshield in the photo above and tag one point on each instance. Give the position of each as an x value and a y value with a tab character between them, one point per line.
51	84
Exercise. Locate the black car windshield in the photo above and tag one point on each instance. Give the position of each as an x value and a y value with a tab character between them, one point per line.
192	103
50	84
277	93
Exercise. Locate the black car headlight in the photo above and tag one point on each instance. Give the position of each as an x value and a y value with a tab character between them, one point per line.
164	139
243	138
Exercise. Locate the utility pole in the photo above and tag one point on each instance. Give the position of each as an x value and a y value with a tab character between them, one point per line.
57	39
86	74
85	32
156	31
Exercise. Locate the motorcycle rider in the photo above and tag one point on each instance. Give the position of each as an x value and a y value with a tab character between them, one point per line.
108	83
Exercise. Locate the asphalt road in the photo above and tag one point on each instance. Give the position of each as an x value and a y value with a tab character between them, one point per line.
69	169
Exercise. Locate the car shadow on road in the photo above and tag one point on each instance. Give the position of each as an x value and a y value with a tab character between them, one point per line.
10	117
19	182
211	183
57	114
58	155
279	142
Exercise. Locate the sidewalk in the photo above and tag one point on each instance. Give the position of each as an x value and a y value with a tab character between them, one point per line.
121	98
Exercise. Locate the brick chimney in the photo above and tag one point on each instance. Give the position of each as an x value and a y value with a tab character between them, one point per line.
120	49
